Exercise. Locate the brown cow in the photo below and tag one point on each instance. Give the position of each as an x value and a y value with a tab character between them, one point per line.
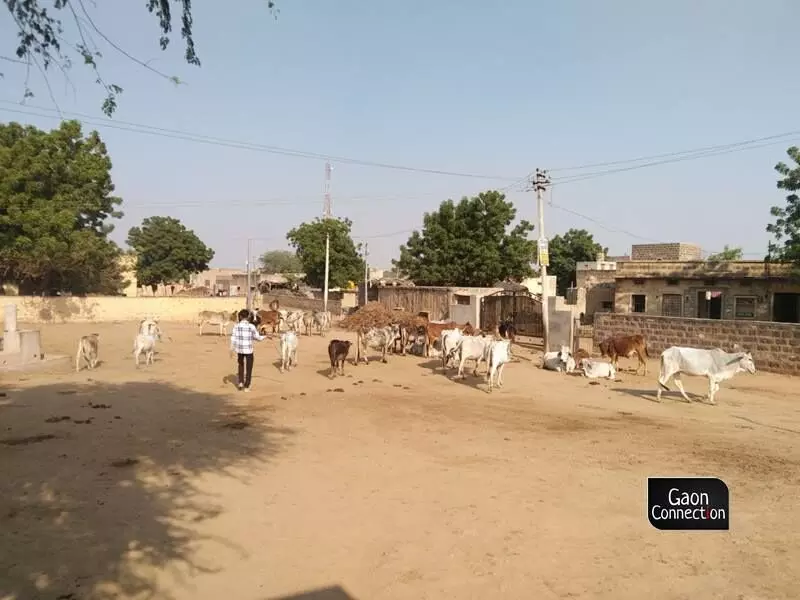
433	332
580	354
627	346
269	317
337	352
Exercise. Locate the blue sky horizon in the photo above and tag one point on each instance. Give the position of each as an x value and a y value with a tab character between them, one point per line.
442	86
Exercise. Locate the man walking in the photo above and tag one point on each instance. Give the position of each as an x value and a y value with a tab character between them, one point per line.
242	337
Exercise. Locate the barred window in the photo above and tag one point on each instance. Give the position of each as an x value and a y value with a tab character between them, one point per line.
672	305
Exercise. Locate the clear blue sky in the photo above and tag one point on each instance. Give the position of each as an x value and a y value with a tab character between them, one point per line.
453	85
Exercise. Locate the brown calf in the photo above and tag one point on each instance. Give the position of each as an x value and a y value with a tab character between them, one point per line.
433	331
269	317
337	352
627	346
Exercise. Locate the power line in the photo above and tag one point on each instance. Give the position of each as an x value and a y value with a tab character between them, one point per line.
215	141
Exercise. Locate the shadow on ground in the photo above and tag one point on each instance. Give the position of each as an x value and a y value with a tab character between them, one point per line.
98	484
329	593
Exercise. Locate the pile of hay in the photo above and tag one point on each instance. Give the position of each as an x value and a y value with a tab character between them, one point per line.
375	314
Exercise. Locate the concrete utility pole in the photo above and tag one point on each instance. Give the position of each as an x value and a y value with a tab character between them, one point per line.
327	214
249	256
540	182
366	270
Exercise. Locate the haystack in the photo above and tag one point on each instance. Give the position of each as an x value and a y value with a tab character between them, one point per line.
375	314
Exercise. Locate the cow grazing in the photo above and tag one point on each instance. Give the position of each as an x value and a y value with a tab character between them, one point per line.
376	338
498	356
556	360
472	347
595	369
210	317
338	351
87	350
448	342
269	318
626	345
715	364
288	350
146	343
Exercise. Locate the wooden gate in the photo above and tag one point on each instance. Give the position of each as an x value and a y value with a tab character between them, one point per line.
524	310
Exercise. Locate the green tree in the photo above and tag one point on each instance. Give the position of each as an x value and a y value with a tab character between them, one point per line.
41	43
280	261
727	254
309	241
576	245
786	228
55	205
469	244
167	252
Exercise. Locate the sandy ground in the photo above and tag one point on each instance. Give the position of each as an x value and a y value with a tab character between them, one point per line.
393	482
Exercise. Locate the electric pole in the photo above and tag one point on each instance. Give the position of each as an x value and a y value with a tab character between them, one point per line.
366	271
540	182
327	215
249	270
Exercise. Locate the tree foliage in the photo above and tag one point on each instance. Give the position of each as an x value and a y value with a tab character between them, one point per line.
42	41
469	244
55	205
786	228
167	252
280	261
576	245
309	241
726	254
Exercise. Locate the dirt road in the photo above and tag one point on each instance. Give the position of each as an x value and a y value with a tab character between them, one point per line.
394	482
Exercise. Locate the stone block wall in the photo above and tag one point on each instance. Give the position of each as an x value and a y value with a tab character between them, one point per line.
775	346
676	251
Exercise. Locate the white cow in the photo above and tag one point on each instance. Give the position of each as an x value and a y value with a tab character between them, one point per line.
292	319
376	338
322	321
715	364
557	360
288	350
146	342
448	341
218	318
147	326
472	347
595	369
499	354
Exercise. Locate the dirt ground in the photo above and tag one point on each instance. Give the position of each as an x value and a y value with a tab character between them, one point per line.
393	482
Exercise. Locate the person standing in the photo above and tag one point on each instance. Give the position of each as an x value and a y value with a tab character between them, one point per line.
242	337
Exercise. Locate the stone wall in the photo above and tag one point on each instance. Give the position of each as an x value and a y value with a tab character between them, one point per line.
675	251
775	346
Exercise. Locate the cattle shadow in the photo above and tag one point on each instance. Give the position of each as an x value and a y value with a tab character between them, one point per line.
432	364
98	491
335	592
650	394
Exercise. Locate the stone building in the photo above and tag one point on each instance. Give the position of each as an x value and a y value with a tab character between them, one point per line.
740	290
677	251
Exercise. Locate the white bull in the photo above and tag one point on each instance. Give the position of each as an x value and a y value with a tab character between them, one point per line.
715	364
448	342
376	338
288	350
472	347
499	352
292	319
596	369
557	360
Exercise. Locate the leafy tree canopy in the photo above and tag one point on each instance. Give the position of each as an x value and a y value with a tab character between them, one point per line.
42	42
576	245
167	252
55	205
309	241
786	228
469	244
280	261
726	255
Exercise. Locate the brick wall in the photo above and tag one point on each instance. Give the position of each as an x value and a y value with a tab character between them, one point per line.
675	251
775	346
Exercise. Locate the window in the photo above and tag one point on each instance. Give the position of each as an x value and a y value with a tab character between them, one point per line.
462	300
638	303
638	282
673	281
672	305
744	307
607	305
208	283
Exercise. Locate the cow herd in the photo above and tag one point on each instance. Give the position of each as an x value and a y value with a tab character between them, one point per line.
457	344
